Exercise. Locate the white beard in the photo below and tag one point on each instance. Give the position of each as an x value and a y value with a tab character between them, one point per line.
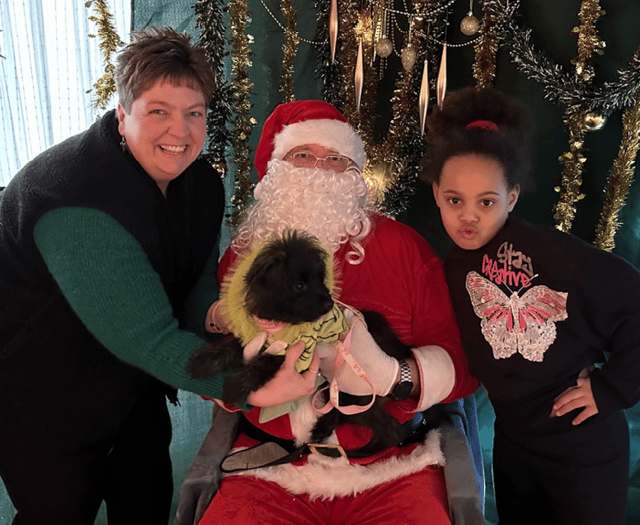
332	206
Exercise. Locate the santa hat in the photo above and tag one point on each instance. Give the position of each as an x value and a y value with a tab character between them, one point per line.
307	122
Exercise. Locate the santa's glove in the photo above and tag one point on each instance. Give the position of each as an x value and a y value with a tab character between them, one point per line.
327	353
203	478
380	369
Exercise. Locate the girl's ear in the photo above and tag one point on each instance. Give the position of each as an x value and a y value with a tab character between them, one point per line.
434	186
514	193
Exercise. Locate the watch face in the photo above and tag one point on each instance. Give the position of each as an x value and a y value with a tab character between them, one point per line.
402	390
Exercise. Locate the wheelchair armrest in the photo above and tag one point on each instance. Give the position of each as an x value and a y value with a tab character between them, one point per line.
465	503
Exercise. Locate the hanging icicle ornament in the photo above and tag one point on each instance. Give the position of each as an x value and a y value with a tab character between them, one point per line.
333	28
359	76
424	96
441	85
469	25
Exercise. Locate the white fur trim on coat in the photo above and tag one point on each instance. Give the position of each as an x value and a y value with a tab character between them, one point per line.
334	134
323	477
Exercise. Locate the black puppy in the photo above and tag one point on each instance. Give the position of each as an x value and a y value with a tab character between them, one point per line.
286	283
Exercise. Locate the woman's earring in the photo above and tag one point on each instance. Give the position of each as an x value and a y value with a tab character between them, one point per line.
123	145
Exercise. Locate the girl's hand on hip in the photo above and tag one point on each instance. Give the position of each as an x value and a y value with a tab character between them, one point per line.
576	397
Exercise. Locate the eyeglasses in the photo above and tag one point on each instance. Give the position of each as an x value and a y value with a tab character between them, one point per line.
302	159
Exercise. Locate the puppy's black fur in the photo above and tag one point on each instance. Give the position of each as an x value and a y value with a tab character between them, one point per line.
286	283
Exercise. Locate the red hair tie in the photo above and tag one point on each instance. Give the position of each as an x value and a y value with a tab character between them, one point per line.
483	124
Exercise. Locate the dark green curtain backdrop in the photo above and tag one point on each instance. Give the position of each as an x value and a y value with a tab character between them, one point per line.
551	24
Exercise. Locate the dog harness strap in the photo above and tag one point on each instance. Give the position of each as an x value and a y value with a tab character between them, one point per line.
345	358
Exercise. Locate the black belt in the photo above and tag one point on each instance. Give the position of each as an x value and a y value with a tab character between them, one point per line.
285	450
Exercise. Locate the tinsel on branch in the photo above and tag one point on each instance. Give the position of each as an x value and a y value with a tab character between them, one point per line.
242	123
575	118
587	107
621	173
209	19
289	51
560	86
402	148
620	178
573	160
588	40
105	86
486	48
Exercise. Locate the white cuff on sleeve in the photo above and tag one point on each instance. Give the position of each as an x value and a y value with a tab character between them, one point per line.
437	375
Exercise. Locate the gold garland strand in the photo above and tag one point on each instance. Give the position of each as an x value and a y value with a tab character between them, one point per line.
289	50
574	119
242	121
105	86
620	177
486	48
573	160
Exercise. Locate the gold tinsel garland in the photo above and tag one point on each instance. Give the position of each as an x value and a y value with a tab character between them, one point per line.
105	86
486	48
620	178
588	41
288	51
242	121
573	160
574	119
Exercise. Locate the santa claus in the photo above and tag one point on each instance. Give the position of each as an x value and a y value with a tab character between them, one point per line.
309	162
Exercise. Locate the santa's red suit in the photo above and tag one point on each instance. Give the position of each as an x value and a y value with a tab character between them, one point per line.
402	278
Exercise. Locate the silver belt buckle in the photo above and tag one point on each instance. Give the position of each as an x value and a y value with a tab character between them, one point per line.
315	446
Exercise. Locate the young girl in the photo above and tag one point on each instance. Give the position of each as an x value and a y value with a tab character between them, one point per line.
550	324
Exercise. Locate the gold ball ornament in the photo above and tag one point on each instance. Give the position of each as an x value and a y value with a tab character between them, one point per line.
408	57
384	47
594	122
469	25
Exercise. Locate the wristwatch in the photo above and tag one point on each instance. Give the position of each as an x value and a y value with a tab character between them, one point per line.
404	387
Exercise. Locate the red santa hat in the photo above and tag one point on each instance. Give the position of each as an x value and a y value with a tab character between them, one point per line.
307	122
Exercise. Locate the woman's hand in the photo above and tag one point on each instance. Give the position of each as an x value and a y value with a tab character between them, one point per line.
288	384
576	397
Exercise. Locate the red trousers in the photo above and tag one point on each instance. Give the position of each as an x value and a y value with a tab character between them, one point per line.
415	499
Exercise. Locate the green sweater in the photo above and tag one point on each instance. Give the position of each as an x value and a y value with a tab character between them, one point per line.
109	282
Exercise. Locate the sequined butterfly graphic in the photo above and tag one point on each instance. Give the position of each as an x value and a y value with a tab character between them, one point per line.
513	324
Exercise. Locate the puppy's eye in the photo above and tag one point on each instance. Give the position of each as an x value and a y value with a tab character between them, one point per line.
299	286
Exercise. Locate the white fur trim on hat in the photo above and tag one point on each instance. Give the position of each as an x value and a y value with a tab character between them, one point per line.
330	133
